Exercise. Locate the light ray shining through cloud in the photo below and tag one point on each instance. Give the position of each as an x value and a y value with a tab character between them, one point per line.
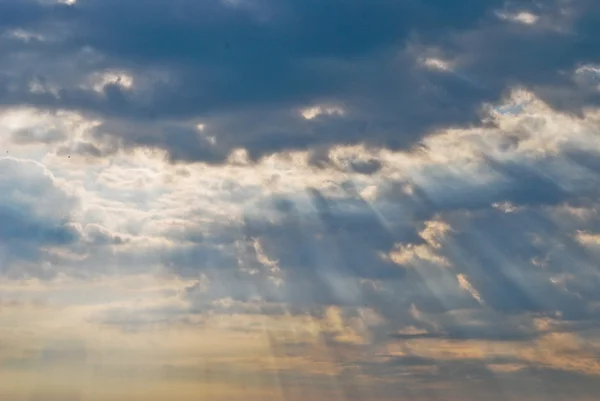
299	199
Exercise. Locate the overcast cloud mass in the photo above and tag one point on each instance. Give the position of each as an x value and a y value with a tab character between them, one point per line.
299	199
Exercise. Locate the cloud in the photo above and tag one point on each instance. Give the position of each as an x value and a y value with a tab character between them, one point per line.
250	71
488	241
351	199
42	231
29	225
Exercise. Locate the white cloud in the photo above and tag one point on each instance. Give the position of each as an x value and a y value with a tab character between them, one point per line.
24	35
437	64
23	183
98	81
312	112
467	286
522	17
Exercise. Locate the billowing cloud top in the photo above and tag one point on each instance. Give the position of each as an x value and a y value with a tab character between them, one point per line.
260	199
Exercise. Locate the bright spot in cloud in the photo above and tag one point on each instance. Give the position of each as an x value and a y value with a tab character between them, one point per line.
436	64
25	36
586	238
434	231
239	157
100	80
589	69
31	125
523	17
466	285
313	112
505	207
588	76
369	193
411	254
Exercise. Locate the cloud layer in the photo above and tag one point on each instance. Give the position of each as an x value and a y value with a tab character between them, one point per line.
271	200
251	72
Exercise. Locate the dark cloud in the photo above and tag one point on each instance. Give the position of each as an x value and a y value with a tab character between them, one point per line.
246	69
541	56
366	167
28	136
546	181
19	226
184	143
523	263
84	149
497	251
487	332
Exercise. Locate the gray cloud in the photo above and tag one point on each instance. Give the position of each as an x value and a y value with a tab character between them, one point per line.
243	70
28	225
41	234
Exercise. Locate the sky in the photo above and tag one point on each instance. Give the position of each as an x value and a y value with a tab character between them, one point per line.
299	200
